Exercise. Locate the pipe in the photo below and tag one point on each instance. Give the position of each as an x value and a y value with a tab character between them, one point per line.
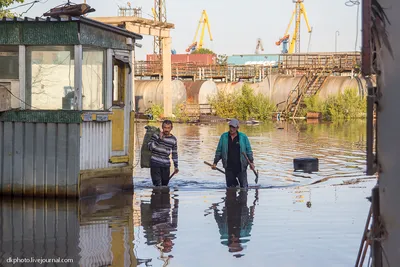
376	229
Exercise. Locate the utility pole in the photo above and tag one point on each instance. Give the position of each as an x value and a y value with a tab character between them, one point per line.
298	17
337	33
160	15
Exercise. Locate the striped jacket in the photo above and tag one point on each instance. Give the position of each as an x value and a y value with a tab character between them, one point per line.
161	149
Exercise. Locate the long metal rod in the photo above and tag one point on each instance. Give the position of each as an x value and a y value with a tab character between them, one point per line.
366	38
376	229
371	163
364	238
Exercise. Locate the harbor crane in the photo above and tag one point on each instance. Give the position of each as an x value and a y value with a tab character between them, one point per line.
203	22
295	42
259	46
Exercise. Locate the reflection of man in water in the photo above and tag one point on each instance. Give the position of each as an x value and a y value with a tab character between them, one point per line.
157	221
236	220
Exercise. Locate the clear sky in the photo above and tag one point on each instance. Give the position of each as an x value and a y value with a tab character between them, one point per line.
236	25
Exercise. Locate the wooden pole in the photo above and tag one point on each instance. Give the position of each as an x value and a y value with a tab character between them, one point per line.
209	164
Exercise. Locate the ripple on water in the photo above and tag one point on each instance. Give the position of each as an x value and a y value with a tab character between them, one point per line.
284	221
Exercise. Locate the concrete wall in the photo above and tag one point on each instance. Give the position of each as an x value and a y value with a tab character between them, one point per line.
388	136
39	158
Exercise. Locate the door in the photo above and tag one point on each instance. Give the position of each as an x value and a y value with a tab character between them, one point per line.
120	109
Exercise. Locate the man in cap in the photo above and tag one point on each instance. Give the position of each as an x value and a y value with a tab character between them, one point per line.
230	149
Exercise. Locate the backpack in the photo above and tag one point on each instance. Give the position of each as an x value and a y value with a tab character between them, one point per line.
145	153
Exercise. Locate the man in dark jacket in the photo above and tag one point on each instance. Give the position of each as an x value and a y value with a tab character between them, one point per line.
230	149
161	147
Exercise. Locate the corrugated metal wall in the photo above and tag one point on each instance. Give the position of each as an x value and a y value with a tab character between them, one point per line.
39	228
95	145
39	158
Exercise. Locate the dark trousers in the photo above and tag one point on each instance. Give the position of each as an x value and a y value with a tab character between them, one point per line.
236	177
160	175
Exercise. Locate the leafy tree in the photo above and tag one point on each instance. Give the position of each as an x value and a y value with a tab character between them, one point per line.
6	3
222	59
203	51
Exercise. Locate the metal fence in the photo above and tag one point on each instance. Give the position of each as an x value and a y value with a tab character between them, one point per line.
344	62
338	61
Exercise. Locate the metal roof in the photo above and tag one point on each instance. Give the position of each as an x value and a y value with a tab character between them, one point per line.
81	19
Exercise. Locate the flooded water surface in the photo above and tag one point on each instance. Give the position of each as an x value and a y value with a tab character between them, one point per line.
288	219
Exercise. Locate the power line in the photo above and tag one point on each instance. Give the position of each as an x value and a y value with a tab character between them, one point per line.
351	3
17	97
26	4
26	11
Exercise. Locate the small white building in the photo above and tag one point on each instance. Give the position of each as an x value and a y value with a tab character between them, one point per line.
66	114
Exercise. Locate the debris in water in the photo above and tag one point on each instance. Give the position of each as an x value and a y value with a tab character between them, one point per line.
307	165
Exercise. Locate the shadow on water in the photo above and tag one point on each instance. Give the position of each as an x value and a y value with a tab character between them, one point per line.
159	219
235	219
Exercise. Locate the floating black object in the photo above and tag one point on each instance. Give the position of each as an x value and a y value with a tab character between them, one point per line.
307	165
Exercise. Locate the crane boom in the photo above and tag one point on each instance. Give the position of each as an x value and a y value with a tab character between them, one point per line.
202	23
303	11
295	42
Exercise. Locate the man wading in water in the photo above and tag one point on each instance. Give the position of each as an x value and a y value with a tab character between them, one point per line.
230	148
161	148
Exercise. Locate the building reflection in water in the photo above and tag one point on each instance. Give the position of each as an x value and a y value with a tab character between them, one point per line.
92	232
159	219
106	231
235	220
38	228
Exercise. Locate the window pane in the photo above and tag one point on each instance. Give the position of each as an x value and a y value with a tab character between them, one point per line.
93	79
50	77
115	84
9	62
119	83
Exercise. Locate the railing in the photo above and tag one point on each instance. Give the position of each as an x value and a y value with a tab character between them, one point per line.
294	94
343	62
148	68
201	72
195	110
340	61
